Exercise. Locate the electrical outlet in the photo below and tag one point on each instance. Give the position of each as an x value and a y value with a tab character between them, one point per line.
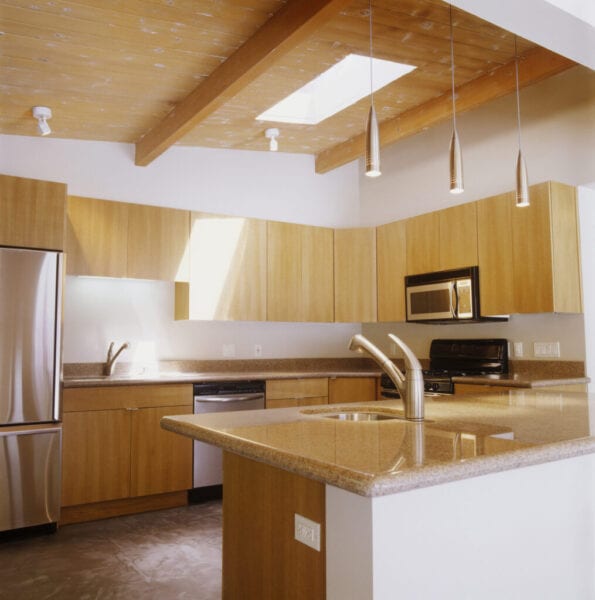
518	349
257	350
307	532
229	350
546	349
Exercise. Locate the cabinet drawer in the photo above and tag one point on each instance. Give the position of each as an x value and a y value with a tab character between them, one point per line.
297	388
127	396
293	402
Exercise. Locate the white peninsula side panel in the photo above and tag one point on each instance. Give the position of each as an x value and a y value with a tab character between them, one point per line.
522	534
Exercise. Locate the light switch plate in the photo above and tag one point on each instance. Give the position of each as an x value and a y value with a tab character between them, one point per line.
307	532
518	349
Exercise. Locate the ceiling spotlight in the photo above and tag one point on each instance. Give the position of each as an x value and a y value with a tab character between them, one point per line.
42	114
272	134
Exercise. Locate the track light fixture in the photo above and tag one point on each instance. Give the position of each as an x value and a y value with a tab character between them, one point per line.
272	134
42	114
522	181
456	157
372	134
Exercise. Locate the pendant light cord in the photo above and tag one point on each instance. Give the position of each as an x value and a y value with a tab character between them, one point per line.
371	58
452	70
518	101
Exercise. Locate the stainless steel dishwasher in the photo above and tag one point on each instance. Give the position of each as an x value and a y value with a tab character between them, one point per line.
220	396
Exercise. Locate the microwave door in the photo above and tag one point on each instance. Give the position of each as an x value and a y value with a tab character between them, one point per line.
431	301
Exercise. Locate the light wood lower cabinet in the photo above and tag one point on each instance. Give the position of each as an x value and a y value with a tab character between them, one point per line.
114	448
284	393
351	389
471	388
32	213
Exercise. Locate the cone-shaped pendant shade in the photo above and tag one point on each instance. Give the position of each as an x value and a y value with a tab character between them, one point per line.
456	165
372	145
522	182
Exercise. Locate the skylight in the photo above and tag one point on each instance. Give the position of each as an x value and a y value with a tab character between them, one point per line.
337	88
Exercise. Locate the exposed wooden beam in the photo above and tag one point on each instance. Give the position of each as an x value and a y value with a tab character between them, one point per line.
535	65
288	27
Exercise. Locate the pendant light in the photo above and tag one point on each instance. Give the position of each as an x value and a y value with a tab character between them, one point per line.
372	135
522	181
456	158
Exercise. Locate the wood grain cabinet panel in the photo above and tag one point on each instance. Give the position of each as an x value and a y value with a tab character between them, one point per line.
228	265
96	237
391	266
158	243
351	389
546	254
283	393
114	447
458	236
32	213
495	254
355	275
161	460
299	273
423	243
95	456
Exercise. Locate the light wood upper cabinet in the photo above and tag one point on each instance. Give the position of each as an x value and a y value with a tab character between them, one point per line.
228	263
32	213
96	237
458	236
158	243
546	253
494	234
299	273
355	275
423	243
391	263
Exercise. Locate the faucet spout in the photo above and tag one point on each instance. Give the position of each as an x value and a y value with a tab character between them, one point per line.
411	387
111	358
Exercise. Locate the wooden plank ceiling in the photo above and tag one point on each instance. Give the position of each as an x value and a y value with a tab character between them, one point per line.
114	70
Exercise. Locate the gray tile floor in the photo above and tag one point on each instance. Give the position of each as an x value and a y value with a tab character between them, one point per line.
167	554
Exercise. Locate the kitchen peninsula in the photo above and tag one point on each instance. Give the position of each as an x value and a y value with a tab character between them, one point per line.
492	496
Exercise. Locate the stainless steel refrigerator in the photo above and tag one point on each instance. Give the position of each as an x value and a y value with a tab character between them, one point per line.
30	357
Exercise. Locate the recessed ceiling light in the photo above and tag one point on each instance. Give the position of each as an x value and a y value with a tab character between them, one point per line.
334	90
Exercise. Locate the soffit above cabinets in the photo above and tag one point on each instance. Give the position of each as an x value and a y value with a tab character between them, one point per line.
113	71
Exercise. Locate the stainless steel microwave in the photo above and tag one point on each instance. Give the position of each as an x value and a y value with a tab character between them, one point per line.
445	297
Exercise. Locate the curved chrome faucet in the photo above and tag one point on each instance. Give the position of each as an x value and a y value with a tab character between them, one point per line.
411	386
110	362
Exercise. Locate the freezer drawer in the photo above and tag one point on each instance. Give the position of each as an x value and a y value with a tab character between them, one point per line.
30	477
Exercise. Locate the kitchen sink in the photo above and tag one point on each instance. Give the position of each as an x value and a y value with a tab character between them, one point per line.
361	416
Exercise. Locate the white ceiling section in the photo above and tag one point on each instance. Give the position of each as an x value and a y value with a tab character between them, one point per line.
543	23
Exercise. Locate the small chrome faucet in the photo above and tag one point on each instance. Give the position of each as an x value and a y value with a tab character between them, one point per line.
411	386
110	362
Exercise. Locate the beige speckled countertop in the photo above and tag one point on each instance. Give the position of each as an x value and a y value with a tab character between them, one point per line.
462	437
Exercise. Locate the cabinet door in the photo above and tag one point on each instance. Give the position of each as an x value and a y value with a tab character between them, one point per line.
227	270
300	273
96	237
355	275
351	389
158	243
496	263
32	213
391	245
95	456
458	236
423	243
161	461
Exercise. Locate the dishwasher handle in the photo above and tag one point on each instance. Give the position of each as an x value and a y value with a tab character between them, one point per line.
229	398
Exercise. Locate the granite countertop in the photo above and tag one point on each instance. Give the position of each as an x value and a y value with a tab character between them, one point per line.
521	380
463	436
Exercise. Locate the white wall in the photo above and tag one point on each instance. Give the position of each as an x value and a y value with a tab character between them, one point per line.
267	185
558	136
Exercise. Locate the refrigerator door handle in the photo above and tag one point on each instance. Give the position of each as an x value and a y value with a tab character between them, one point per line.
58	343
